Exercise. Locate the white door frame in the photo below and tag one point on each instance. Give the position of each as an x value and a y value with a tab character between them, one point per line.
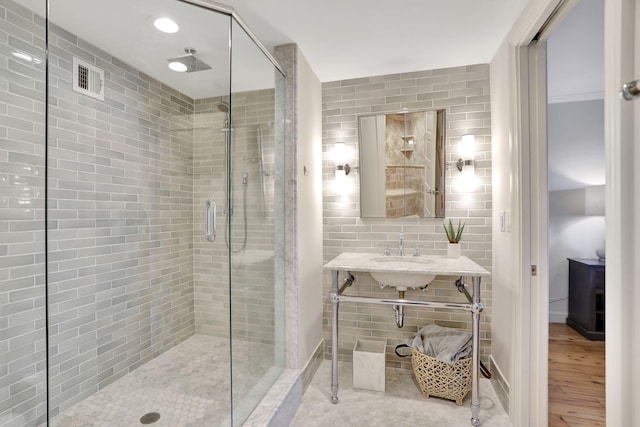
528	388
538	211
531	334
622	198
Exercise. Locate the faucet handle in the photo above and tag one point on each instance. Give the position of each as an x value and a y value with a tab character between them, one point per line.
386	248
416	252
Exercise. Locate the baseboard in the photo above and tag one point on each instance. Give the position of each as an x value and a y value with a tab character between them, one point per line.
312	365
557	317
500	384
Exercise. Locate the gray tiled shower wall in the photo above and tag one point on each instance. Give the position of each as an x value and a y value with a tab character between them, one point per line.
120	223
253	170
464	93
22	237
127	182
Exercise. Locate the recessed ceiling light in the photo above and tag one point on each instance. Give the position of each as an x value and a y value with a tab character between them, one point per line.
178	66
166	25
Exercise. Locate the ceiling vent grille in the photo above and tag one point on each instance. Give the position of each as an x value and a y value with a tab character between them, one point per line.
88	79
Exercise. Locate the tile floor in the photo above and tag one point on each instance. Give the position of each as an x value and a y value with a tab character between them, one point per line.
400	405
189	387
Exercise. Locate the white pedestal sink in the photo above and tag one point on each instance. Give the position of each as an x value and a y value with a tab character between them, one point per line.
407	272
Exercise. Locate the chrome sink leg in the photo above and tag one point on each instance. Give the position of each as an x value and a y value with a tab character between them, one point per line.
475	386
334	336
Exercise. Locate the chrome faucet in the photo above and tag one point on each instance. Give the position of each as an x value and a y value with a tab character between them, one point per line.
401	245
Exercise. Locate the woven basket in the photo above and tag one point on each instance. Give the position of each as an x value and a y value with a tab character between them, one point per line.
439	379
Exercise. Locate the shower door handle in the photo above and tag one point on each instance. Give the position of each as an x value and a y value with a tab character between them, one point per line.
210	220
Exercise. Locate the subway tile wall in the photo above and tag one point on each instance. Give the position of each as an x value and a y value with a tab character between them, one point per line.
22	202
464	93
252	256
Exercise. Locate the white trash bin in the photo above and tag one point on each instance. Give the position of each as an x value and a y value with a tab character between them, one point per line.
368	364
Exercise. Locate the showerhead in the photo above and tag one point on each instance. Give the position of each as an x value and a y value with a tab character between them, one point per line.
189	61
223	106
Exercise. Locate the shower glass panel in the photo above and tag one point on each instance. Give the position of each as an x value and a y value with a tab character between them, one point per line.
124	226
255	212
23	377
141	215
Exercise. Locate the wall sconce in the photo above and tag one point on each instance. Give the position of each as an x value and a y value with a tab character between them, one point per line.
340	154
466	181
466	150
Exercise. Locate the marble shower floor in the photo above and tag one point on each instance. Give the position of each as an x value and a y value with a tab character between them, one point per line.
400	405
187	385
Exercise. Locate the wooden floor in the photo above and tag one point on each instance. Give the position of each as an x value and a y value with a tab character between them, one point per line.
576	379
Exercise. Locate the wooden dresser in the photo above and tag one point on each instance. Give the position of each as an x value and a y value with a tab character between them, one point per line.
586	297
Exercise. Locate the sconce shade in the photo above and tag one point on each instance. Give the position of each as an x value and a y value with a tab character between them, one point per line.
340	151
466	181
594	204
467	149
340	157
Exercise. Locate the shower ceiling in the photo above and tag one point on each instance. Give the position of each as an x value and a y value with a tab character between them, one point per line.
131	37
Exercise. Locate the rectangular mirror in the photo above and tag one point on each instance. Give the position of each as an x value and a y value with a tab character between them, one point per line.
402	164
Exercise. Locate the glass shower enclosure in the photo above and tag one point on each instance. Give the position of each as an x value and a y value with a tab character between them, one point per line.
141	214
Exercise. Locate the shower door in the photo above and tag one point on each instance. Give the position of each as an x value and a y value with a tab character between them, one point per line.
131	163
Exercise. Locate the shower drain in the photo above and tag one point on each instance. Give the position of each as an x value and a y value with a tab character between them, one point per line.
150	418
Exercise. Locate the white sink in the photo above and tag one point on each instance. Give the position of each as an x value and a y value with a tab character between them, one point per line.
407	271
402	279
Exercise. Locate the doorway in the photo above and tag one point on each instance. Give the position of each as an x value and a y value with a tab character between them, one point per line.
576	225
517	131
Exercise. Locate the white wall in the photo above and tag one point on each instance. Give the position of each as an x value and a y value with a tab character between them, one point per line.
501	327
571	235
303	207
309	211
576	160
575	54
576	144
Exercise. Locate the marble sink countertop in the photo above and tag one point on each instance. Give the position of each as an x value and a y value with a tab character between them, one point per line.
425	264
